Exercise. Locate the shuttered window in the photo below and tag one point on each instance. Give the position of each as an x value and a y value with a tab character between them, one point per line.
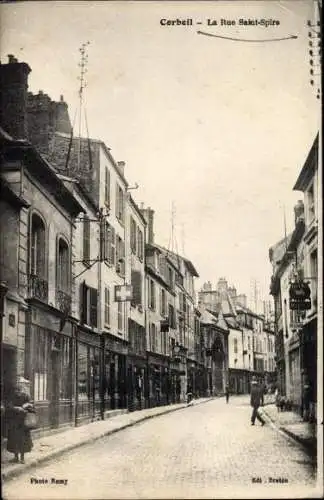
137	287
171	316
162	302
88	305
107	306
133	234
152	298
107	187
119	203
120	316
120	256
140	244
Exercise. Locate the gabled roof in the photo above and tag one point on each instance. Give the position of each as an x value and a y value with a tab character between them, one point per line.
209	317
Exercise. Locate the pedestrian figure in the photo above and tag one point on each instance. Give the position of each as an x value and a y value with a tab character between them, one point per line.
227	393
18	434
256	395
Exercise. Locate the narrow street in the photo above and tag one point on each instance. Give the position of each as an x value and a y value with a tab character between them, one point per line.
205	451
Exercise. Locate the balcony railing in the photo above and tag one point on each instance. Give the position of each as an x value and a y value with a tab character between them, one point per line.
63	301
38	288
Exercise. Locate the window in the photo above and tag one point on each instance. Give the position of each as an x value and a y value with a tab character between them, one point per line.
120	317
153	337
249	343
136	281
86	240
62	266
170	277
120	256
164	342
235	346
40	364
152	295
162	265
140	245
107	187
132	235
88	305
107	306
172	320
314	272
37	247
162	302
65	378
119	203
108	243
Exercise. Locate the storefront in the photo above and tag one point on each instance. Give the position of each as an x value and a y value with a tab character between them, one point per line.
88	355
49	367
137	368
309	369
114	375
159	380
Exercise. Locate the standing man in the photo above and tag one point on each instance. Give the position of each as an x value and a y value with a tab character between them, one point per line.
227	393
256	396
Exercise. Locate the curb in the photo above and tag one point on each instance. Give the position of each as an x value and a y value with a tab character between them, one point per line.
310	447
56	453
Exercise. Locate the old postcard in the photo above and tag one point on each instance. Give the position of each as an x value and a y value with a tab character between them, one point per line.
161	249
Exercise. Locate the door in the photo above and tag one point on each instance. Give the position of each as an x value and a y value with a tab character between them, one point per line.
9	371
54	410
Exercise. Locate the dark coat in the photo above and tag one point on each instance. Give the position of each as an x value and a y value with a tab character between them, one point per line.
256	396
19	438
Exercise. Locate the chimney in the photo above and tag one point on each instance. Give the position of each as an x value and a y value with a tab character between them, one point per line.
148	215
222	287
241	300
207	287
232	292
61	122
13	97
299	211
121	166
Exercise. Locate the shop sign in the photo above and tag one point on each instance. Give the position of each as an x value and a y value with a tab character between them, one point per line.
299	296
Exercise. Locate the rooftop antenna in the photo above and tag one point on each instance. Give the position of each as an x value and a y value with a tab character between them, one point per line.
183	239
83	70
171	240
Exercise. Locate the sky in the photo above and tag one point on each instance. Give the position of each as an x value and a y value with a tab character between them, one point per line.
218	128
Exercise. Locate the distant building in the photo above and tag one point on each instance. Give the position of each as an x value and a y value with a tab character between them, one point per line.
250	339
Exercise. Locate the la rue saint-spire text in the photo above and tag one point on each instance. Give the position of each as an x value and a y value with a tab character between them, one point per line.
220	22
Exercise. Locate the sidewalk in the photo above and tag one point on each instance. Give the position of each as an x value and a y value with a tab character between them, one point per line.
292	424
49	447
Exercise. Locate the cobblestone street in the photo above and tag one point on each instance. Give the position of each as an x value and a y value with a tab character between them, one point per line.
205	451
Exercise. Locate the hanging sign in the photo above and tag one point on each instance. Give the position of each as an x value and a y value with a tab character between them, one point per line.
123	293
299	296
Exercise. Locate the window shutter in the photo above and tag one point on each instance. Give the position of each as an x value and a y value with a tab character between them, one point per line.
93	306
117	201
83	302
86	239
137	287
112	246
107	186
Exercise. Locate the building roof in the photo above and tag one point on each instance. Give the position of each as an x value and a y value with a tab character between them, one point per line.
67	138
41	169
307	172
8	194
175	256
